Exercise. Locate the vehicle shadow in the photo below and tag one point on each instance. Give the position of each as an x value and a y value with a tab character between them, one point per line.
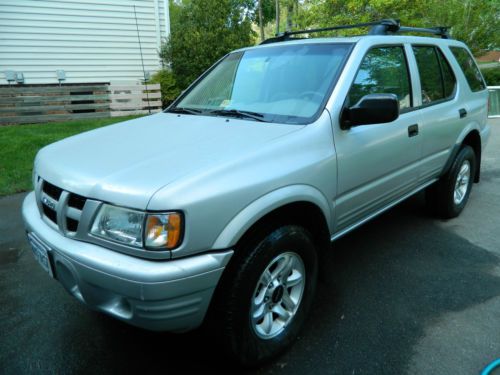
379	288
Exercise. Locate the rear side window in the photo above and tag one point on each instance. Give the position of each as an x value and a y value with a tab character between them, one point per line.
469	68
449	80
383	71
436	77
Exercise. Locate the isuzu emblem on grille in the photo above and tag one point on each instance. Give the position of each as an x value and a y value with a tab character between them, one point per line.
46	201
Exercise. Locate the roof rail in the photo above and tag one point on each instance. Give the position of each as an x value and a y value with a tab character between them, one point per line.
382	27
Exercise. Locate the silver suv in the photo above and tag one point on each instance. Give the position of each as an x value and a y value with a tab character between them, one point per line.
219	208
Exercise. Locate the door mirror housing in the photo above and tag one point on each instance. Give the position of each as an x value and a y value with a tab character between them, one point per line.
371	109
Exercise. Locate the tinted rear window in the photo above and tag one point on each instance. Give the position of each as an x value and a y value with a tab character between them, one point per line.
469	67
449	81
436	78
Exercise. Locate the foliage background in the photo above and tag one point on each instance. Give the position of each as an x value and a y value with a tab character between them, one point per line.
203	31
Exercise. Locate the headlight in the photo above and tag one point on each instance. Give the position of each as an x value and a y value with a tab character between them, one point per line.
138	229
119	224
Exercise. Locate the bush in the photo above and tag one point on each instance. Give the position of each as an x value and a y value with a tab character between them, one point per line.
492	76
169	88
202	33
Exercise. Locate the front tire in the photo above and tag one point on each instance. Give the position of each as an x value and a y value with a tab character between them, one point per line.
266	295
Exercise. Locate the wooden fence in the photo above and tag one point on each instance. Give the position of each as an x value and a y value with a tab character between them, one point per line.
32	104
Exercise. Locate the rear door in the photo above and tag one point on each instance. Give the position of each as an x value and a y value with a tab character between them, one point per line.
377	164
438	106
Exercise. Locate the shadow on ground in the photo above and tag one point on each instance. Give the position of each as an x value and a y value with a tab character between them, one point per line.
380	287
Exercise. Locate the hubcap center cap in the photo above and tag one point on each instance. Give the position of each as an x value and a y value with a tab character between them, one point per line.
278	294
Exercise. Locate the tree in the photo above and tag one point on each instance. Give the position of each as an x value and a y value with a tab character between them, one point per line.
203	32
473	21
266	12
261	21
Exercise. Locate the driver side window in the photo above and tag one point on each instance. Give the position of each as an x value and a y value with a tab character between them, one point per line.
382	71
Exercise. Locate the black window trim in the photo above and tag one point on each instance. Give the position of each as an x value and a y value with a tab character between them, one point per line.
437	49
410	85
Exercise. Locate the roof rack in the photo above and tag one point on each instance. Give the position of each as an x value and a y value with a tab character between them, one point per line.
382	27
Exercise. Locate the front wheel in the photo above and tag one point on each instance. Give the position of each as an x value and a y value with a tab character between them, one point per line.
265	298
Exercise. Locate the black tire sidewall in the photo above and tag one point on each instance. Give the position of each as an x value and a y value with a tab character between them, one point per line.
450	208
245	345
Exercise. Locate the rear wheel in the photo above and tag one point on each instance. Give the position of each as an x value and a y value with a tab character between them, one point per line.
266	294
451	193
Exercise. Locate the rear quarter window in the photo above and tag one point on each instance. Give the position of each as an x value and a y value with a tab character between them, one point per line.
469	68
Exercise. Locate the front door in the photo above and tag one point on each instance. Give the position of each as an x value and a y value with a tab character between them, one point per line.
377	164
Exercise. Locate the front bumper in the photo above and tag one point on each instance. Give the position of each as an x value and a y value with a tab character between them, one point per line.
157	295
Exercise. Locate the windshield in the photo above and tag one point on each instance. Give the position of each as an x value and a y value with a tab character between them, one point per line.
285	84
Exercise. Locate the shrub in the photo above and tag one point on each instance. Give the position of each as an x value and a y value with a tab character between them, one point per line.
202	33
169	87
492	76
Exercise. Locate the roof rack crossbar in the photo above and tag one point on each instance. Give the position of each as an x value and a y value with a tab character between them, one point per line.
441	31
286	35
382	27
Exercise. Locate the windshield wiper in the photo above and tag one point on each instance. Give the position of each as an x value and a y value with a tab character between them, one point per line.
189	111
239	114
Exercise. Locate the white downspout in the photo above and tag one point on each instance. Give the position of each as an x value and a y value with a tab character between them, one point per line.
166	9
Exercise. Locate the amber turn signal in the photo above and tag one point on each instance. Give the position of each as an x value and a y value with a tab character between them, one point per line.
163	231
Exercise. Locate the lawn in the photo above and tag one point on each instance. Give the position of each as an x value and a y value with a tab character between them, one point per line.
20	143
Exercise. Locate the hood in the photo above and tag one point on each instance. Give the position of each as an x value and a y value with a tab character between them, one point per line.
126	163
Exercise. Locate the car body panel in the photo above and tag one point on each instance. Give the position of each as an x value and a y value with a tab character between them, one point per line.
218	195
224	174
126	163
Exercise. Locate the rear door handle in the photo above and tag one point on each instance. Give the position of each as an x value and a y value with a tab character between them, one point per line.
463	112
413	130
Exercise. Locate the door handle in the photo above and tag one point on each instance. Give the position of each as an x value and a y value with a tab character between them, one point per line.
413	130
462	112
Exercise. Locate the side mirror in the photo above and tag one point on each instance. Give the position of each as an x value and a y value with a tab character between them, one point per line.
371	109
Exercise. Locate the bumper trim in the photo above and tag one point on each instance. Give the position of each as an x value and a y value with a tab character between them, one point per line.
170	295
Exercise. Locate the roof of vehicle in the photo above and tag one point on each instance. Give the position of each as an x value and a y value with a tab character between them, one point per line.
375	39
383	31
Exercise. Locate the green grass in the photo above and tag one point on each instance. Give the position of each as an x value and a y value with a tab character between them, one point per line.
20	143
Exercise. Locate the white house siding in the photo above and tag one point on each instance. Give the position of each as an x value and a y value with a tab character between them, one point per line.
91	40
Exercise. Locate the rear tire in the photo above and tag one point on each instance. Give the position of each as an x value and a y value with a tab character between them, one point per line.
450	194
266	294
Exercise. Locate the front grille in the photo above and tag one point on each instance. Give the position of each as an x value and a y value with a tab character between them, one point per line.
60	207
51	214
76	201
71	225
51	190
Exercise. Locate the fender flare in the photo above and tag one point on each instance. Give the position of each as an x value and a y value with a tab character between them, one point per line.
267	203
456	147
